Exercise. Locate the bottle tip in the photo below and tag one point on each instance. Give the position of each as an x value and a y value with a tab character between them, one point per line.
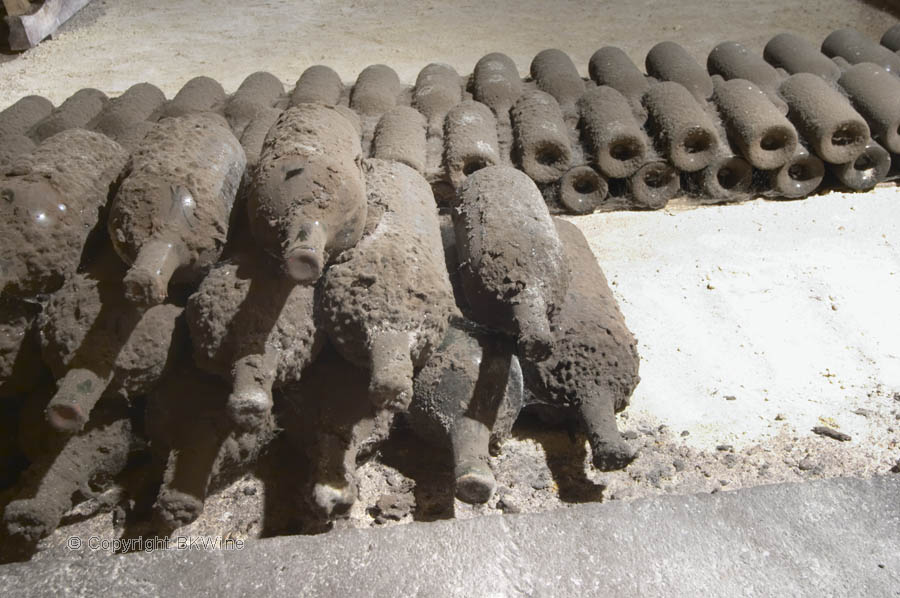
475	485
304	264
65	418
143	288
249	408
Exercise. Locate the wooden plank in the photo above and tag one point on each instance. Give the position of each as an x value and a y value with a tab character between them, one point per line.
27	31
15	8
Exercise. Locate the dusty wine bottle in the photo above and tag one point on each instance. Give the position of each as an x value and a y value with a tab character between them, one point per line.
125	119
75	113
254	328
825	118
593	368
795	54
24	114
582	189
654	184
731	60
200	94
867	170
512	262
874	92
318	84
683	130
542	145
194	442
307	200
618	144
99	453
667	61
612	67
169	218
799	177
762	134
496	84
328	419
98	344
555	73
854	47
438	89
400	135
54	198
470	141
259	91
386	302
376	90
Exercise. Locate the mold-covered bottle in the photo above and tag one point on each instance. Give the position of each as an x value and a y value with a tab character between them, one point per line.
197	446
683	130
24	114
470	141
795	54
259	91
668	61
98	344
513	265
386	302
542	145
854	47
376	90
582	189
593	367
496	84
799	177
126	119
874	92
617	142
307	200
762	134
254	328
867	170
467	398
318	84
400	135
438	89
97	454
75	113
200	94
53	199
731	60
328	419
824	118
555	73
169	219
612	67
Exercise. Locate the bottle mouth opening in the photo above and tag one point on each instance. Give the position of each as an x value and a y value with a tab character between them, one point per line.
697	141
774	140
473	164
304	264
624	150
658	176
848	134
65	418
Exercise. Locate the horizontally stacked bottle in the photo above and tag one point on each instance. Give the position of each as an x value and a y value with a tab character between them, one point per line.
202	278
191	284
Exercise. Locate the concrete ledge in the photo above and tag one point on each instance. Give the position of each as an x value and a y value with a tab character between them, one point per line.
837	537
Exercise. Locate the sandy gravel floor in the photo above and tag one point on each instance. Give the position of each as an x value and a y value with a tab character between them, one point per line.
756	322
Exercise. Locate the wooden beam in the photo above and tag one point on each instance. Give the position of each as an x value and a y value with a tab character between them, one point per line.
27	31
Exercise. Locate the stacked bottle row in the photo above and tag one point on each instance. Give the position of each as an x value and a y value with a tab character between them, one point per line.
161	298
777	125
